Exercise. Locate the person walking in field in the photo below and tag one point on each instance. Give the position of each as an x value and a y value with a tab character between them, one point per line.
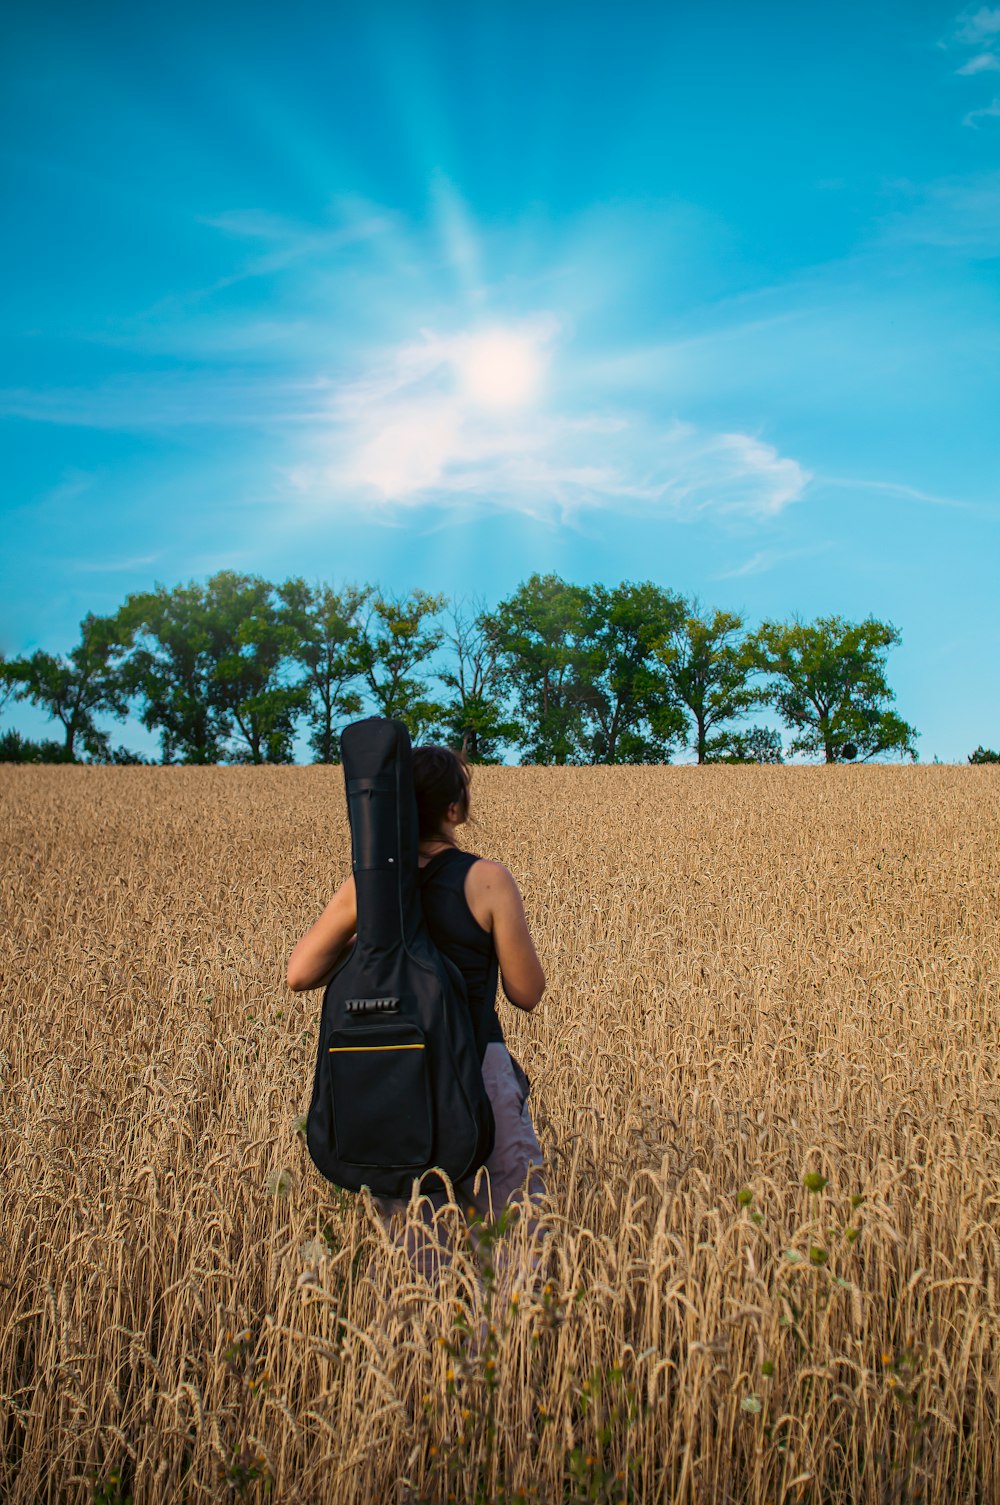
475	915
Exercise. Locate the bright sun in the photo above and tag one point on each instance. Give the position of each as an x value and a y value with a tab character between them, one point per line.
499	370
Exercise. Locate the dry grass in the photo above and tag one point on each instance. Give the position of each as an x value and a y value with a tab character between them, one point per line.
754	974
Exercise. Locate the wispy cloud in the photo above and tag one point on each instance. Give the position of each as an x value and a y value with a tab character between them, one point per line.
276	245
403	435
163	401
403	432
53	503
351	220
976	26
898	488
766	559
985	113
254	224
288	242
74	484
350	416
546	467
983	62
112	566
959	213
976	30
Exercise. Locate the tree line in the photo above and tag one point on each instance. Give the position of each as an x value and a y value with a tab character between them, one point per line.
229	670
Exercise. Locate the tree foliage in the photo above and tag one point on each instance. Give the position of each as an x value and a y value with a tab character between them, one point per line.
708	671
324	628
632	716
77	688
248	684
561	673
207	663
473	716
539	631
170	669
8	682
17	749
829	685
396	639
759	744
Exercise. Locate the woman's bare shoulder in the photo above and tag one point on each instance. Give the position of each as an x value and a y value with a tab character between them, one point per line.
488	886
492	874
490	879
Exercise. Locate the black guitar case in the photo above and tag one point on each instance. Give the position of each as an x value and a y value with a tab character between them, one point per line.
398	1087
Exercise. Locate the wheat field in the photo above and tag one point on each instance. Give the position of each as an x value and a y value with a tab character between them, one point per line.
764	1077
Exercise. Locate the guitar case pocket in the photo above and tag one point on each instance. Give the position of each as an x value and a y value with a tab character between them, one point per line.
381	1097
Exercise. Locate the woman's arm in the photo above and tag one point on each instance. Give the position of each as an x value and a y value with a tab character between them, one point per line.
315	957
521	974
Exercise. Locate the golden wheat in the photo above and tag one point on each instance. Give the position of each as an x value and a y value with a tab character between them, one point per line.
756	977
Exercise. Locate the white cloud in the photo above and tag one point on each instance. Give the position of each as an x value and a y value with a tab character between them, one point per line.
985	62
113	566
404	429
763	560
897	488
404	434
977	26
252	224
163	401
987	110
959	213
286	244
74	484
974	28
456	233
408	452
340	413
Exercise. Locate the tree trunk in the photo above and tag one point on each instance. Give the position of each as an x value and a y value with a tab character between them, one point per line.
327	743
702	739
613	735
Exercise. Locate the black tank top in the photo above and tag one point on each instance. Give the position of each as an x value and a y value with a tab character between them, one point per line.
455	930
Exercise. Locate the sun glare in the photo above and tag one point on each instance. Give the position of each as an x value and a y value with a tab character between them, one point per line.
499	369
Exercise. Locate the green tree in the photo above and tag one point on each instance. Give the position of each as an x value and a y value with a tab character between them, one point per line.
325	640
759	744
631	711
708	671
984	755
8	682
170	668
397	637
543	664
209	663
17	749
829	685
77	688
474	714
253	644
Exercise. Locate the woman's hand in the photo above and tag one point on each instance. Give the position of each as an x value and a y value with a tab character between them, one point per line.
314	959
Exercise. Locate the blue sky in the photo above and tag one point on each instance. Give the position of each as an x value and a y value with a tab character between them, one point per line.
442	294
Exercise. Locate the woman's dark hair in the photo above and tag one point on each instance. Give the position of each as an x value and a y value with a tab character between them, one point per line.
440	778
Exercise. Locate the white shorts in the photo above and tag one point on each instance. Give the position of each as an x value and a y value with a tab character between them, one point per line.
515	1159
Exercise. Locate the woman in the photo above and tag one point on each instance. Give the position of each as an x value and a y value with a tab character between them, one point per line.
475	914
